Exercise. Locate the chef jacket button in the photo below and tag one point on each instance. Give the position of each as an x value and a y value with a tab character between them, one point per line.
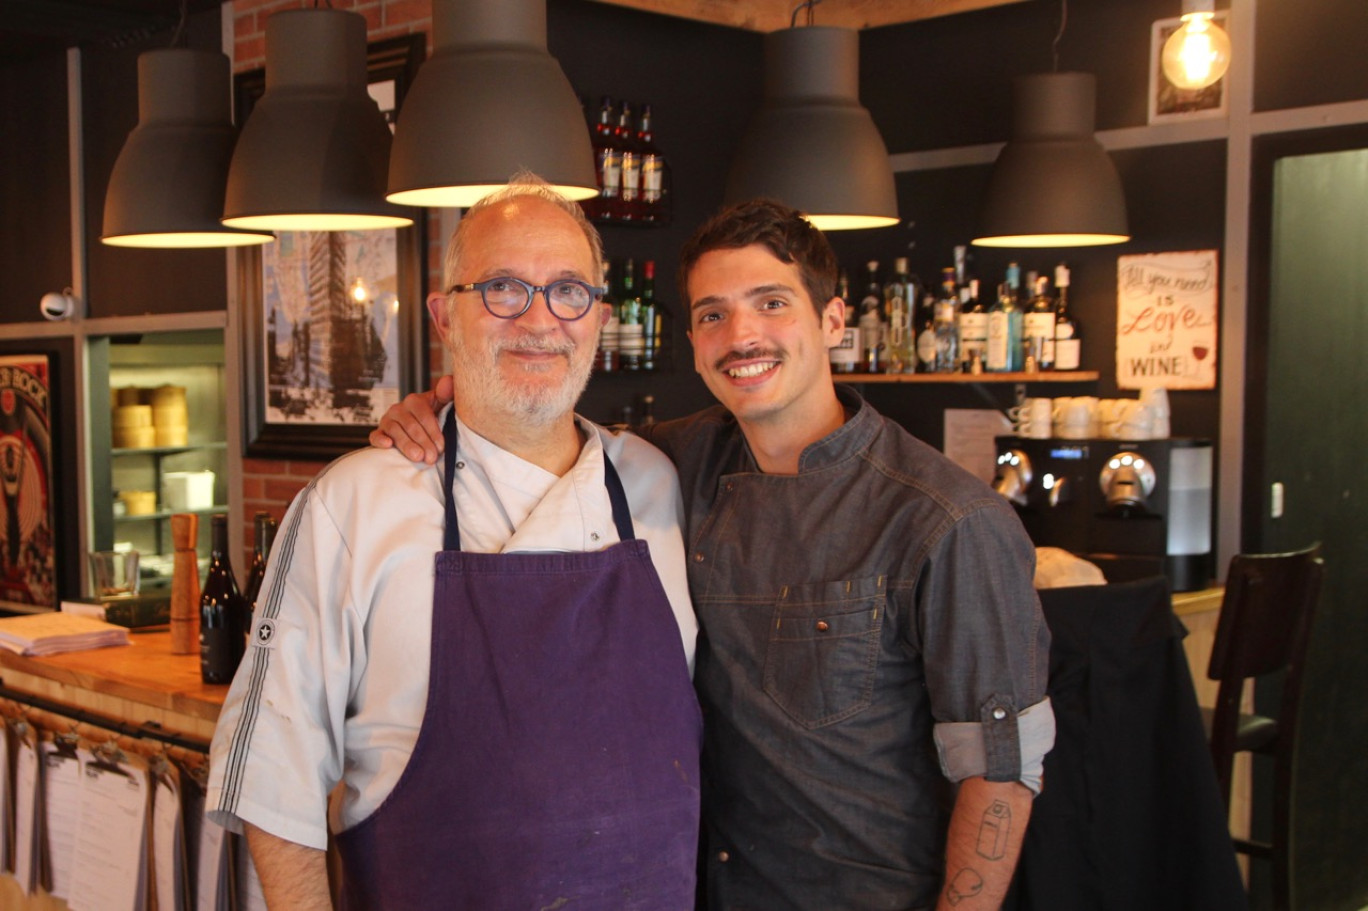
593	536
822	626
698	558
999	713
460	464
723	857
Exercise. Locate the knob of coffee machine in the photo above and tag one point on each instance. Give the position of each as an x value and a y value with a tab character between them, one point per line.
1127	480
1058	488
1013	476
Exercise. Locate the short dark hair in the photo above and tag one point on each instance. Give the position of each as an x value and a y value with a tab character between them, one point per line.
784	232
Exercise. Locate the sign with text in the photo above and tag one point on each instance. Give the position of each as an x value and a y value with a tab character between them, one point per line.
1166	320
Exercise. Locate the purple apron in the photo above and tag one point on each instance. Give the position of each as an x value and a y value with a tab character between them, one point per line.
557	762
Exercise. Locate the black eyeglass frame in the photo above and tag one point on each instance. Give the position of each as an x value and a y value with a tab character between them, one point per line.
595	294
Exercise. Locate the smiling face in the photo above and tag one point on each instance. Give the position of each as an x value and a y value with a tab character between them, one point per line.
759	342
530	370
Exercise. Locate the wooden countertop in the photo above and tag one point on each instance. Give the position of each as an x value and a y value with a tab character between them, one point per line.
1198	602
144	672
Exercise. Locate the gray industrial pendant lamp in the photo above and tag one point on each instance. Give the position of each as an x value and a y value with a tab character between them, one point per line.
491	101
315	149
166	189
812	146
1053	185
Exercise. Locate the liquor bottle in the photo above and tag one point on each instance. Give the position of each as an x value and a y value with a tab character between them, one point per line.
845	356
652	171
1068	339
924	324
900	297
629	201
1038	326
973	328
223	613
650	318
871	321
945	326
261	550
631	332
608	161
1004	331
608	360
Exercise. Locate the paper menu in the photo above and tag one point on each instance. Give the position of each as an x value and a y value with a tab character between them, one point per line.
109	874
60	809
168	841
27	781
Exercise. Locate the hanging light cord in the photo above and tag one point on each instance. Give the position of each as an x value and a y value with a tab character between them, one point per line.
177	39
808	5
1063	21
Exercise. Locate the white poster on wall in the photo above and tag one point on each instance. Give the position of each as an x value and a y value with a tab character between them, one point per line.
1166	320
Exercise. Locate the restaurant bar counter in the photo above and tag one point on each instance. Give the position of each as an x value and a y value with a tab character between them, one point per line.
142	692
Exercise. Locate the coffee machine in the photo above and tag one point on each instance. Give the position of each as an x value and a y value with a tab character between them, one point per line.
1133	507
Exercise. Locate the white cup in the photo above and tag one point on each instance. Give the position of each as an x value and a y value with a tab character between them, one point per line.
1032	418
1132	420
1075	417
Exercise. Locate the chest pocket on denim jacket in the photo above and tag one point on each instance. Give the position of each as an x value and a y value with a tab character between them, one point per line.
824	648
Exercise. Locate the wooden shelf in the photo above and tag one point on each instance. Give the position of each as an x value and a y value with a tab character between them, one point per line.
1049	376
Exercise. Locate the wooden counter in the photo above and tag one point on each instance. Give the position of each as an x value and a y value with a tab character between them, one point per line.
138	683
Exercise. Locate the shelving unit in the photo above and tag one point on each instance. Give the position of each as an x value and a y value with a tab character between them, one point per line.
1048	376
192	359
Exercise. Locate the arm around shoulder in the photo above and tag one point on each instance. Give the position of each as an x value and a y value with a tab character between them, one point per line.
292	876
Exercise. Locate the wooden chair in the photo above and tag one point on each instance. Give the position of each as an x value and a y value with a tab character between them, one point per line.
1263	629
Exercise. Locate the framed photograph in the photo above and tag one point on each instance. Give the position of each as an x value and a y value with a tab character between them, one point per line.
1167	102
334	323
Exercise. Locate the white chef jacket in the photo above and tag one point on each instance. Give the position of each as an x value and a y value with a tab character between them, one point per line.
333	689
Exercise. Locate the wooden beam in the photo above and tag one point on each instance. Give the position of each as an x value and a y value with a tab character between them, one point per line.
769	15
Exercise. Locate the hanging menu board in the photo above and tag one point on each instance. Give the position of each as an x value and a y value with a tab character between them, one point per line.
1166	320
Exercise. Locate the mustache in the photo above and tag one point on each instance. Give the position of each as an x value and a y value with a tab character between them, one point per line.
731	357
540	343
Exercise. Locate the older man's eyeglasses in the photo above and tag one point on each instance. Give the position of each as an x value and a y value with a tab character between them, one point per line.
568	299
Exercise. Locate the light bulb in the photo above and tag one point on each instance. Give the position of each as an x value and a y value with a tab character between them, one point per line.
1197	54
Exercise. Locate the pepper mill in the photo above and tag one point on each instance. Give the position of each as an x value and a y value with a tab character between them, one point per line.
185	585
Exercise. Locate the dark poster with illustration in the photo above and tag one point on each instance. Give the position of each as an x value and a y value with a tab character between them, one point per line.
27	551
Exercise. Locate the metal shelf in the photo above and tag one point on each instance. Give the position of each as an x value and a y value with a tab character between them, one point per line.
1048	376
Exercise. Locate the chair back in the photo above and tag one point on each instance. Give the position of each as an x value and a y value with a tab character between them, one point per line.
1264	627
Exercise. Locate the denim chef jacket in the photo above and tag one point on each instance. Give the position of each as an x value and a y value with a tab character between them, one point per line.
846	611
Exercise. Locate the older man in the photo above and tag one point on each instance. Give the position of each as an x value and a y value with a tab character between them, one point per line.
874	657
512	719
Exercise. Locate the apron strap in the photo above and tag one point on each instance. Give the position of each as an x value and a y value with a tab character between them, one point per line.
451	534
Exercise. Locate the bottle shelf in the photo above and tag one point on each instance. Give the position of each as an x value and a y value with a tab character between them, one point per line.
1045	376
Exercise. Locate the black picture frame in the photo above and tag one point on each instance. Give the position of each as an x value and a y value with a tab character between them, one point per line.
394	61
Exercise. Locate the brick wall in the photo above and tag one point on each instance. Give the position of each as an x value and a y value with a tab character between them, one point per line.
270	484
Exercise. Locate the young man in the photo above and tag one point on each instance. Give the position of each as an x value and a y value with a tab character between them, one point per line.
873	660
513	725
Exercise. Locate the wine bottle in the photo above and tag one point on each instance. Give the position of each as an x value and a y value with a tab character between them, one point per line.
871	322
1004	329
1038	326
845	356
631	332
608	352
629	201
900	297
652	171
650	318
223	613
264	536
1068	338
945	324
973	327
608	160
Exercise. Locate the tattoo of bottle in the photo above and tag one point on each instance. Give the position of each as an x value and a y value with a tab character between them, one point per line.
993	831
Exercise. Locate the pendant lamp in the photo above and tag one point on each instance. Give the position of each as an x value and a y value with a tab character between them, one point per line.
1053	184
812	146
489	102
315	149
166	189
